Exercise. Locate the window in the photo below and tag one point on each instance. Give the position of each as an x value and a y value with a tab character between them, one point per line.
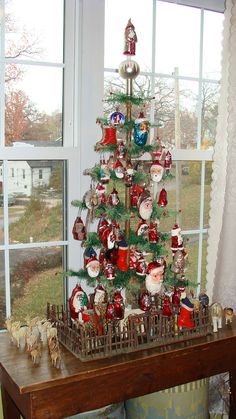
40	174
179	53
12	172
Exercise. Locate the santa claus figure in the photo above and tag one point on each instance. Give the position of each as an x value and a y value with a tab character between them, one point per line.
142	229
156	171
145	205
176	239
130	39
113	199
153	234
78	302
154	277
119	169
79	230
100	295
93	267
167	162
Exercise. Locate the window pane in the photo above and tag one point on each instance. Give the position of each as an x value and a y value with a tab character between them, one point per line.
34	280
117	16
177	39
2	291
192	265
213	29
33	105
204	263
207	202
38	211
34	29
210	98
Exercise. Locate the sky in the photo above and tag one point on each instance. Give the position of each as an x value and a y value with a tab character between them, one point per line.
177	41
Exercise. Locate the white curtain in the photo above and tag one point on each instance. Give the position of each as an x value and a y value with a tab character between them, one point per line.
221	276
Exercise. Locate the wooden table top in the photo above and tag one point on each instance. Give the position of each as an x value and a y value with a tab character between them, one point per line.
114	379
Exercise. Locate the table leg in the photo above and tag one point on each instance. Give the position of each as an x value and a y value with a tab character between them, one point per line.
10	410
232	379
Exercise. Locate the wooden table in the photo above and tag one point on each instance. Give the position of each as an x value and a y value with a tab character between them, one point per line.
45	392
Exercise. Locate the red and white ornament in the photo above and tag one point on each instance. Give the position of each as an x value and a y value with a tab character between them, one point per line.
93	267
156	171
162	200
145	205
176	239
99	295
113	198
154	277
120	152
110	271
78	302
167	162
79	230
153	233
119	169
118	305
122	263
142	229
145	301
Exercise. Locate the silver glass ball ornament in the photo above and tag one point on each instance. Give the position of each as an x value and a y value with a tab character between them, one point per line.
129	69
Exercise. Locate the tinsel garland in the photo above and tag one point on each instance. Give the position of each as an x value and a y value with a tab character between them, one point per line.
118	213
145	246
79	204
92	240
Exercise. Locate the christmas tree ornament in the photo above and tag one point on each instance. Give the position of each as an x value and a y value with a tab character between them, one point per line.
116	119
78	302
132	258
109	136
104	172
142	229
120	151
153	233
113	199
182	290
178	263
141	266
130	39
107	237
112	254
88	254
134	196
102	224
110	311
119	169
101	193
158	154
118	305
109	271
176	239
102	258
99	294
154	277
117	231
167	162
121	263
184	319
79	230
145	301
166	309
93	267
156	171
129	69
141	130
129	173
145	205
176	296
162	200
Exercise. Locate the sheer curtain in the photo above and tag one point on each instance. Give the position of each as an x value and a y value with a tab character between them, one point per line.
221	277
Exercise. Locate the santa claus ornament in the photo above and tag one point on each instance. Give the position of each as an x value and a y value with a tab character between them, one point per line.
79	230
156	171
167	162
167	310
142	229
145	205
93	267
99	295
129	173
154	277
120	152
178	263
109	271
119	169
78	302
88	254
141	130
104	172
101	193
113	199
118	305
116	119
153	234
176	239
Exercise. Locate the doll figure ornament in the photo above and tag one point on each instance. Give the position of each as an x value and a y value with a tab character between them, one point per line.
154	277
78	302
79	229
176	239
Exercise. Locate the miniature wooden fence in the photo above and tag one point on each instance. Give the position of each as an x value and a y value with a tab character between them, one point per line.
136	332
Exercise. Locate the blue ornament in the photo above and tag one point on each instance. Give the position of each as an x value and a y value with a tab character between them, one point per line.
116	118
141	129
